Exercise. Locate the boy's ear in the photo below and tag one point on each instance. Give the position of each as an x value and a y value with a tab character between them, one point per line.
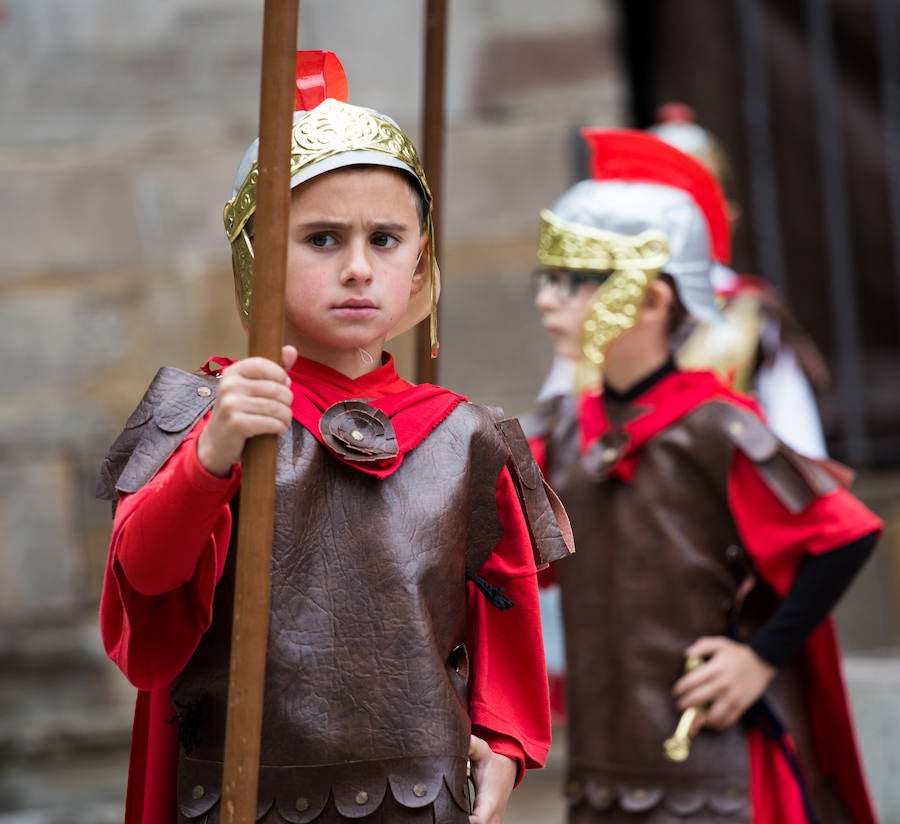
423	263
658	298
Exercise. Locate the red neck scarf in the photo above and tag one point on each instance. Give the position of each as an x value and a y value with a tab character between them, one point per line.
413	410
669	399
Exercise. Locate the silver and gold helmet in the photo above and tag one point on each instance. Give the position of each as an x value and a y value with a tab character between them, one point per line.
648	208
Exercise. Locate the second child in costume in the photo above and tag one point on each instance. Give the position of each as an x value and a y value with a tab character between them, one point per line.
705	543
404	634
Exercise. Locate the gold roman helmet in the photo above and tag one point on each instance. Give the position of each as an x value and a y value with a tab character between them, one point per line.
332	135
632	262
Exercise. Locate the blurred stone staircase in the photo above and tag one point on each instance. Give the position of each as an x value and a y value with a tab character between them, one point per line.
65	725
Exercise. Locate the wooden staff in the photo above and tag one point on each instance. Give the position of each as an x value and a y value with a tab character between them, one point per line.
250	627
432	154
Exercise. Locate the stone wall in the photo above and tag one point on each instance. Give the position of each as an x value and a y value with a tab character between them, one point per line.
122	124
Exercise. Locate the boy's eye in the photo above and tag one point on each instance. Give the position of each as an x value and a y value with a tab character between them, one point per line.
385	241
320	239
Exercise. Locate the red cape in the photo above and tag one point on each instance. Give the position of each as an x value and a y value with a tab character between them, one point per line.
777	543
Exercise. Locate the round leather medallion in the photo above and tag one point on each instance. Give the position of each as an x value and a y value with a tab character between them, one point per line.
355	431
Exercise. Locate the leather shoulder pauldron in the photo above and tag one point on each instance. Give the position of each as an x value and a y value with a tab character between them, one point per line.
172	404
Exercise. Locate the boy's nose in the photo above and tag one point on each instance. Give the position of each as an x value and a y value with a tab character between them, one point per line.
547	298
357	266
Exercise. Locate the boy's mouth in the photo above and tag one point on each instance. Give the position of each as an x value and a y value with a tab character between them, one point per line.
356	303
553	330
356	308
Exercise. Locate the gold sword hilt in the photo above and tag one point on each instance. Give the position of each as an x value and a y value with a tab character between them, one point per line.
678	747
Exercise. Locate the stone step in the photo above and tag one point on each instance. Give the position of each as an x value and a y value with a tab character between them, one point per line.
65	725
874	684
88	813
72	642
59	692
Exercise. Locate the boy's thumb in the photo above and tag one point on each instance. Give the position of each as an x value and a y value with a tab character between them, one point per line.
288	356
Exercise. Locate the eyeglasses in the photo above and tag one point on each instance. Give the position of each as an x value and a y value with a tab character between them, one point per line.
564	281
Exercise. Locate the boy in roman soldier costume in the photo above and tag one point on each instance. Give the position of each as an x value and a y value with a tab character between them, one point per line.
409	524
703	679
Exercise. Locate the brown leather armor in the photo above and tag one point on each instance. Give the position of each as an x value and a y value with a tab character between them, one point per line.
365	708
659	565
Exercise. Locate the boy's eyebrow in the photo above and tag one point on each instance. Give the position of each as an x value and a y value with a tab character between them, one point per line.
381	225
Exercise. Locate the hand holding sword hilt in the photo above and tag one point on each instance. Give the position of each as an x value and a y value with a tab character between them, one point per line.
678	747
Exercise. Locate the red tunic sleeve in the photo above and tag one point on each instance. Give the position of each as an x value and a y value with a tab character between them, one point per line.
508	693
778	539
167	552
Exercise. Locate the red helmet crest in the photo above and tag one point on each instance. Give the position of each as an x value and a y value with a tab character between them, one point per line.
634	155
320	75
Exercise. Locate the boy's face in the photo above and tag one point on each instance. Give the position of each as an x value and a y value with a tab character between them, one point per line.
356	253
563	299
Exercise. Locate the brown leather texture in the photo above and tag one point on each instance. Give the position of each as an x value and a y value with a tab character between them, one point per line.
796	480
172	404
391	791
358	432
548	522
655	570
365	614
595	796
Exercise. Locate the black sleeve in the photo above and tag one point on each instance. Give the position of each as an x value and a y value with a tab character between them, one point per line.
819	585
